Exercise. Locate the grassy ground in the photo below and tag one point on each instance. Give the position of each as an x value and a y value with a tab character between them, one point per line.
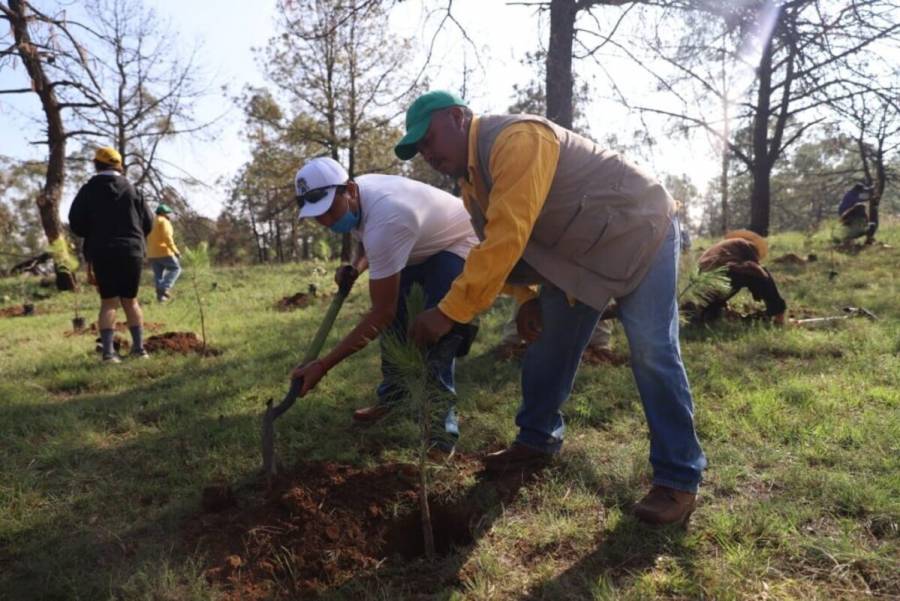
102	466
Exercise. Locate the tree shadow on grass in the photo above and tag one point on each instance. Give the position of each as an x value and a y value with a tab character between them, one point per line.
109	498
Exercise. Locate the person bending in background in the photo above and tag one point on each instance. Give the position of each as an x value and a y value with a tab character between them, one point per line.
741	254
163	253
113	219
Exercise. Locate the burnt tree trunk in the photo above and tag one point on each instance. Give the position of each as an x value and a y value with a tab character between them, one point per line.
49	197
560	81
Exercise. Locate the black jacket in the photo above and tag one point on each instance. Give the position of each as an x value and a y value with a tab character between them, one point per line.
111	217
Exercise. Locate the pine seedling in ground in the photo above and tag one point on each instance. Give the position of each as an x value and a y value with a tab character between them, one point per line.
413	371
197	262
699	288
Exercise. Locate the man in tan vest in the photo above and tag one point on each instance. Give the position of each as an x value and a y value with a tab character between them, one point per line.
554	210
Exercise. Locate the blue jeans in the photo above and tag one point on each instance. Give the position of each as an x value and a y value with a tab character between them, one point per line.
435	275
165	271
649	315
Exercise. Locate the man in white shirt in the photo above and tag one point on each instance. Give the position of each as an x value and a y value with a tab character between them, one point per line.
410	233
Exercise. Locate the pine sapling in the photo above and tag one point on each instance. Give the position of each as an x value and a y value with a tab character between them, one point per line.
413	372
197	260
702	287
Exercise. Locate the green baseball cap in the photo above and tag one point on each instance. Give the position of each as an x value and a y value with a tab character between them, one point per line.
163	209
418	118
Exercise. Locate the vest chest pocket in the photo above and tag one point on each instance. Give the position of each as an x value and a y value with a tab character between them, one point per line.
554	229
583	232
621	251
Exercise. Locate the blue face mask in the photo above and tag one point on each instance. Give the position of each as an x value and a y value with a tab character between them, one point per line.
347	222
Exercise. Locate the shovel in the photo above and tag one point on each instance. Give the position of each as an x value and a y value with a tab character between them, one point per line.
849	312
312	352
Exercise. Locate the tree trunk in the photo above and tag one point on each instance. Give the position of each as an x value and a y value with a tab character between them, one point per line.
723	186
560	82
875	199
762	165
49	198
279	248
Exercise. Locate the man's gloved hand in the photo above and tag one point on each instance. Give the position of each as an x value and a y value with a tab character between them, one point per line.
529	322
345	276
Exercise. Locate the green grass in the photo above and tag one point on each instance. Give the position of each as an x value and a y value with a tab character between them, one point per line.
101	467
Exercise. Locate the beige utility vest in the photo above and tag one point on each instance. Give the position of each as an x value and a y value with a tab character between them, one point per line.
602	222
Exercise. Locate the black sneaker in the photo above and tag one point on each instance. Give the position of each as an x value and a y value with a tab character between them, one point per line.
141	354
111	359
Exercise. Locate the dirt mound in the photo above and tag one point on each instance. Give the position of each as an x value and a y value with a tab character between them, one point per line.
178	342
321	525
17	311
592	355
790	259
299	300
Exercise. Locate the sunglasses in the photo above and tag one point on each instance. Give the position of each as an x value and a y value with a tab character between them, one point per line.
313	196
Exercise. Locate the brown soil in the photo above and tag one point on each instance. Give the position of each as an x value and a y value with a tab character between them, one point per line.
295	301
299	300
591	356
790	259
178	342
323	524
16	311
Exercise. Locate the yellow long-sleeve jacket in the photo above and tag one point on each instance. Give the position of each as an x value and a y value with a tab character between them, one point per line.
523	162
161	241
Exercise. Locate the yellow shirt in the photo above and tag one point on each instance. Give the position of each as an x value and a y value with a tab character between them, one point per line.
522	164
161	241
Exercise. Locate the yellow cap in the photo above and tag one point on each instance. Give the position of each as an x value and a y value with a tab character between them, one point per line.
108	155
758	242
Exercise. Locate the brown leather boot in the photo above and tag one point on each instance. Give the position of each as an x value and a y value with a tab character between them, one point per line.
664	505
517	456
370	415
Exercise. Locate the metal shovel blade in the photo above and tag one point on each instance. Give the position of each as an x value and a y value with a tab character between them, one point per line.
268	425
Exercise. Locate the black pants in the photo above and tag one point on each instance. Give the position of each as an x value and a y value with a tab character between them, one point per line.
762	289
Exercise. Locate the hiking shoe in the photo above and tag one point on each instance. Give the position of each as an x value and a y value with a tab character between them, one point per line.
141	354
664	505
370	415
111	359
517	456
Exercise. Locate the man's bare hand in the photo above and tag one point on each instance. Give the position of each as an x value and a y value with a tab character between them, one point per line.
310	373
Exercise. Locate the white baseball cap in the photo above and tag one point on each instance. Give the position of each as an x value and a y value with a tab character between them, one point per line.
315	185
